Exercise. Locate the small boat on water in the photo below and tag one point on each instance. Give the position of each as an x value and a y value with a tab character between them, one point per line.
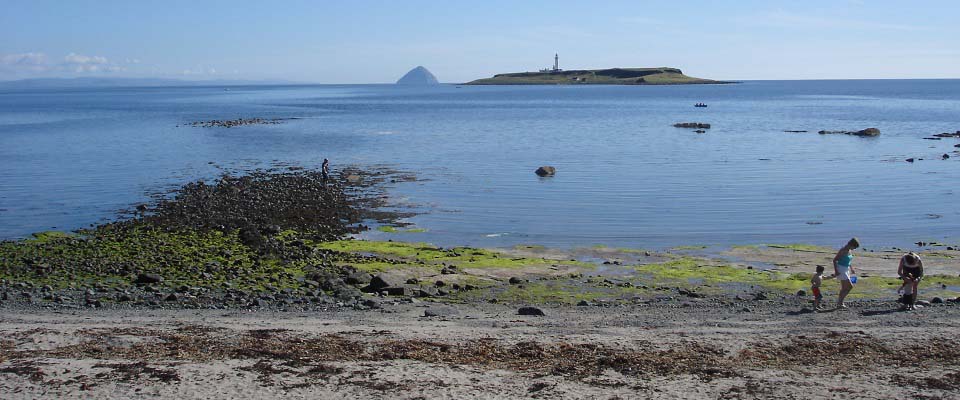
700	105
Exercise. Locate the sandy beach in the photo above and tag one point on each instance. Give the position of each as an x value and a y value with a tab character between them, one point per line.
758	349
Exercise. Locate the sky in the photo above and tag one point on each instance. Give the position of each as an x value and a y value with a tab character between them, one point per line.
367	41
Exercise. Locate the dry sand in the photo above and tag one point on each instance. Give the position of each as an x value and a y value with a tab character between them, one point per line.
484	351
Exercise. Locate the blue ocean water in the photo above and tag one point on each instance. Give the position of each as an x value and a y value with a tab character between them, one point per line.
625	176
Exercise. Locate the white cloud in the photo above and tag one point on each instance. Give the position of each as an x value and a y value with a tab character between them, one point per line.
80	63
28	59
199	70
74	58
33	62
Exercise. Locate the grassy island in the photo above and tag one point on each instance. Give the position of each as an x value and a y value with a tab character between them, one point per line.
611	76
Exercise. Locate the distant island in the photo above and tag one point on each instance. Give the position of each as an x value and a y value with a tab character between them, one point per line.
418	76
611	76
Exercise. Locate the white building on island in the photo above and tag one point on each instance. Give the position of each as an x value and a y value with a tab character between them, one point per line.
556	65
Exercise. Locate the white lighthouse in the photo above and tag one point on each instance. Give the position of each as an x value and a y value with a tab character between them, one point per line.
556	64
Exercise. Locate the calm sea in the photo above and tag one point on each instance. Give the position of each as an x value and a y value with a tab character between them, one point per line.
625	176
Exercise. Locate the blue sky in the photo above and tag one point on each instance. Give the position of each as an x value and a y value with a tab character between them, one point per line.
378	41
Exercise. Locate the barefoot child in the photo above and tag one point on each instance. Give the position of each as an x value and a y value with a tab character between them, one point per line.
815	287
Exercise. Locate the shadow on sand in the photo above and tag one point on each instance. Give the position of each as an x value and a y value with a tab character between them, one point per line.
870	313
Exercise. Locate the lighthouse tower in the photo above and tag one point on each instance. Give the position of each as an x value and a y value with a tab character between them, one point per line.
556	62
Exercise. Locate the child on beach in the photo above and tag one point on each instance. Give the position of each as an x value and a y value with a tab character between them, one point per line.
815	287
815	283
911	272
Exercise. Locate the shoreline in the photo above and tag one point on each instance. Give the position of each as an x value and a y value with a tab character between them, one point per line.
280	240
225	290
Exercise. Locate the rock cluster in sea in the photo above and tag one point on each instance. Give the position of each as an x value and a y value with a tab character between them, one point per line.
869	132
692	125
217	123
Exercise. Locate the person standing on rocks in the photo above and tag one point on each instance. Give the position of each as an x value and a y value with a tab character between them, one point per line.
843	269
325	170
910	271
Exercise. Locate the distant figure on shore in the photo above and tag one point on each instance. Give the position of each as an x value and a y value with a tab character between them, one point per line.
910	271
843	269
325	170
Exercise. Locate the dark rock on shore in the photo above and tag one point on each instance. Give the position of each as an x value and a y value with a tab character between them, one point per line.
546	170
696	125
358	278
378	283
534	311
146	279
869	132
372	303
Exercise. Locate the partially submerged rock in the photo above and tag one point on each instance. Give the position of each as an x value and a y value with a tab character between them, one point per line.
695	125
948	135
217	123
869	132
546	170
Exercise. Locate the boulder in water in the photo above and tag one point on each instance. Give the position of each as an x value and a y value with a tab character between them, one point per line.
546	170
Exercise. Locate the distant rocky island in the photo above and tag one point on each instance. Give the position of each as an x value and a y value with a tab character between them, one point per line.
418	76
610	76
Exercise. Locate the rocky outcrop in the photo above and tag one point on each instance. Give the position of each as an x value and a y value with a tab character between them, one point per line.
869	132
418	76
